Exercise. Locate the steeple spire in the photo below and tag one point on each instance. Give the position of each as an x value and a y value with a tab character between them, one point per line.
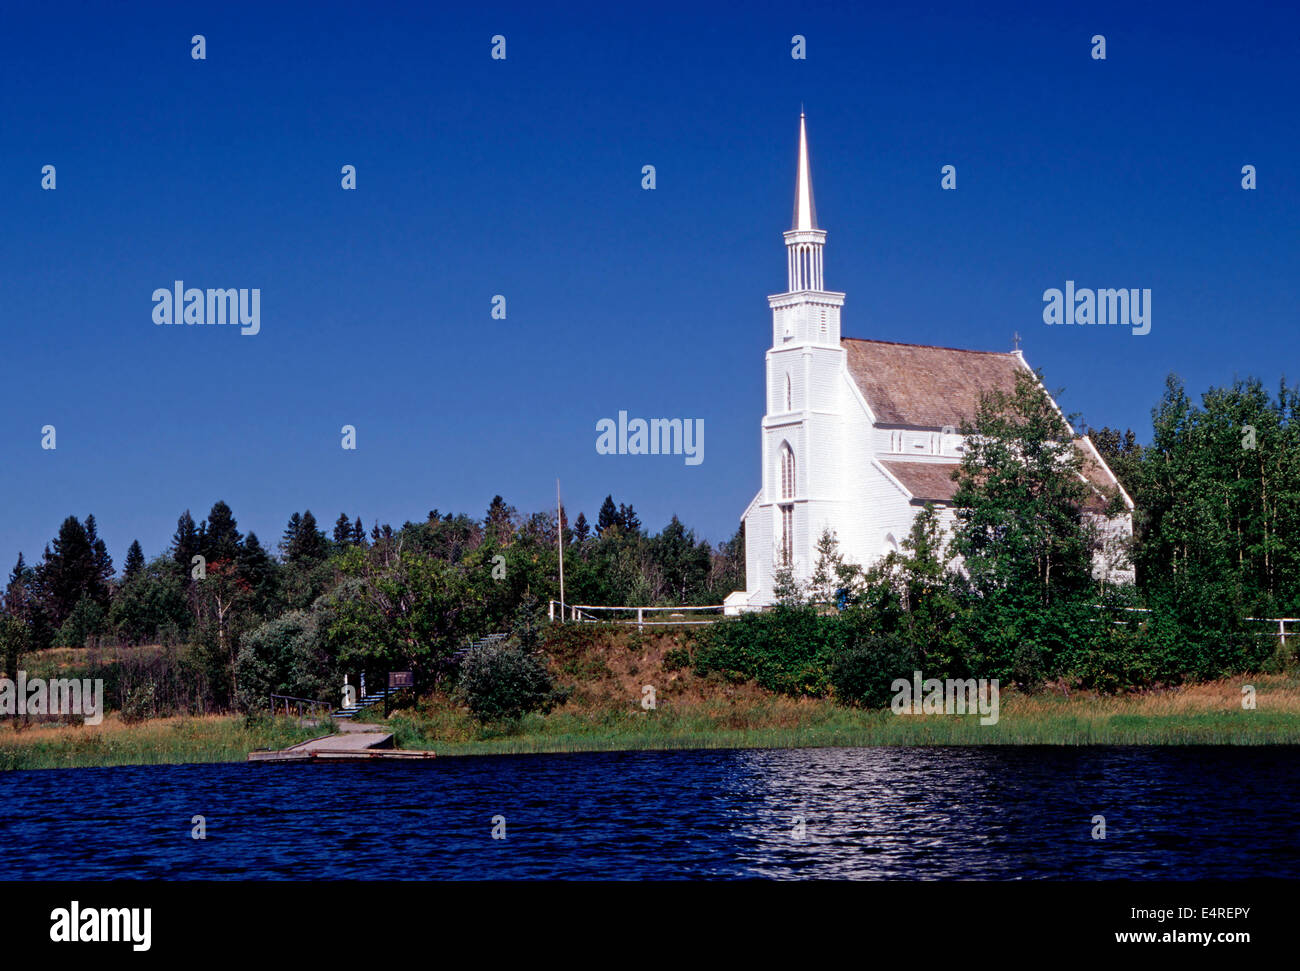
805	213
804	240
807	314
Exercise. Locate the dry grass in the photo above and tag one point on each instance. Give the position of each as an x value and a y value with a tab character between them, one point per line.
210	738
607	668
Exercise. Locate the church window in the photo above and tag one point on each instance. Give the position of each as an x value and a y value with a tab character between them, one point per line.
789	395
787	471
787	535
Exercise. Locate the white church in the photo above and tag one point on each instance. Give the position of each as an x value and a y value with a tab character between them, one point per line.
859	434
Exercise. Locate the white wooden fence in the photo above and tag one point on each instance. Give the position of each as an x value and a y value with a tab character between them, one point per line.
1281	622
677	616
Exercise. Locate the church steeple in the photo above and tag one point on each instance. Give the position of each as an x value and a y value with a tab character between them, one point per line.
805	213
804	241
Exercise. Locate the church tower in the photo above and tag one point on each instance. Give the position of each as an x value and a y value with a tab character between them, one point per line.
856	435
803	423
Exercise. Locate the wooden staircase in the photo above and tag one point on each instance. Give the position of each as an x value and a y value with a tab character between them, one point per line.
372	698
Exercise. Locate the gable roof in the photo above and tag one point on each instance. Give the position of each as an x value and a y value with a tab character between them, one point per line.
924	386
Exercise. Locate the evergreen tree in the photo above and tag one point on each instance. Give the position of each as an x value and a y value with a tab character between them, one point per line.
134	561
185	543
22	606
627	520
68	571
499	524
683	566
290	537
308	542
608	516
358	533
221	538
825	582
581	529
19	599
258	571
343	531
102	575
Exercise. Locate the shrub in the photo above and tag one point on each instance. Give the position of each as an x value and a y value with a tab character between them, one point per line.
676	658
86	621
141	703
503	682
787	649
285	656
864	673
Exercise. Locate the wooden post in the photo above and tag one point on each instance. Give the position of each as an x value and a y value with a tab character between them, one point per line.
639	617
559	539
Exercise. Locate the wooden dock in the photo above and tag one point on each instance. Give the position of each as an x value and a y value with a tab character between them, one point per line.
353	742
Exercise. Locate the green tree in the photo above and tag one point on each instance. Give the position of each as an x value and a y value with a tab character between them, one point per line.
221	537
186	543
73	569
683	564
260	572
286	655
499	523
1026	542
342	531
1020	498
399	611
150	605
307	542
608	516
134	561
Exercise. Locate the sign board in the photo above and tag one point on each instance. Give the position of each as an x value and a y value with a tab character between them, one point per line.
401	679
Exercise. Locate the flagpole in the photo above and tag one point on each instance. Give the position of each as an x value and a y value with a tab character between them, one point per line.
559	538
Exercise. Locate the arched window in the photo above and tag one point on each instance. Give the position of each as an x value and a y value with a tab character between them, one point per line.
786	551
787	471
789	395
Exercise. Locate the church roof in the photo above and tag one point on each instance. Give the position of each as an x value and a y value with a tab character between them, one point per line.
924	386
933	481
927	481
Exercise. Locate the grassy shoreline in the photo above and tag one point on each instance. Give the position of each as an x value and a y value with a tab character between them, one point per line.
162	741
1195	715
1206	714
605	672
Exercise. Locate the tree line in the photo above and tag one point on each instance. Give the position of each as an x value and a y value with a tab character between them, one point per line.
393	597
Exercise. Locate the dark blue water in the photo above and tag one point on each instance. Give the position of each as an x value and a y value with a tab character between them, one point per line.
985	813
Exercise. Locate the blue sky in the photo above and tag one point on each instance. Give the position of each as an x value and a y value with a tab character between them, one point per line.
523	178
